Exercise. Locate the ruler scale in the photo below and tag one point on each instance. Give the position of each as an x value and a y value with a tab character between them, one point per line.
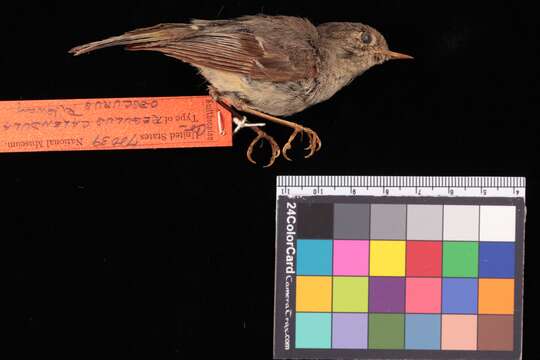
402	186
375	267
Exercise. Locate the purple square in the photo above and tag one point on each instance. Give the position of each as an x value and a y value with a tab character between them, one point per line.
387	294
349	331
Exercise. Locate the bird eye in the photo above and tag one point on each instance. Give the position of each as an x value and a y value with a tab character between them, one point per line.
366	38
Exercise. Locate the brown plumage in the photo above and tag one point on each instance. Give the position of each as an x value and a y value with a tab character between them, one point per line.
265	65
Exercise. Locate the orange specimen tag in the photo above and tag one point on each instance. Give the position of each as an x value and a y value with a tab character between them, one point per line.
107	124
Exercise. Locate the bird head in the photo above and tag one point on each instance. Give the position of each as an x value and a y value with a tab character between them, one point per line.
358	45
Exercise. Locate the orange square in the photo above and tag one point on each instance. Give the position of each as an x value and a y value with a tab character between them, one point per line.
314	293
496	296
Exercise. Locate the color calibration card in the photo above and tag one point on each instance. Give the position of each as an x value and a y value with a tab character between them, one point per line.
409	268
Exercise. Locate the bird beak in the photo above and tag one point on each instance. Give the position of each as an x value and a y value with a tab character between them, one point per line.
395	55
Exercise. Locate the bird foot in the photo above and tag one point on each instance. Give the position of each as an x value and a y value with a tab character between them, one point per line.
315	143
241	122
261	136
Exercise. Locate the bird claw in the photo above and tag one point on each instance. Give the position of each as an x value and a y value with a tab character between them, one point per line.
315	143
261	135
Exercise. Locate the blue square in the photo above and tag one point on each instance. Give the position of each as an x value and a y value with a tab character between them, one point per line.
314	257
460	296
423	331
497	260
313	330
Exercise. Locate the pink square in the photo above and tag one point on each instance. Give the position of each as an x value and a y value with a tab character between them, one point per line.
459	332
423	295
351	257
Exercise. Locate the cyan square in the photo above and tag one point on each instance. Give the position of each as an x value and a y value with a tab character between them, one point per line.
314	257
460	296
497	260
423	331
313	330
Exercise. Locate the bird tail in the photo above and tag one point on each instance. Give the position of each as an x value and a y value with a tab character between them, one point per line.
143	37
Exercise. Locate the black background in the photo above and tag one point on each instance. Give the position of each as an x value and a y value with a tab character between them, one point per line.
170	253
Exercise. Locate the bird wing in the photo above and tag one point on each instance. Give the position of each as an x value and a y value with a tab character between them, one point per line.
273	48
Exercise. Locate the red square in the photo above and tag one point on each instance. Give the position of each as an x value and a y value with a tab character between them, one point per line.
424	258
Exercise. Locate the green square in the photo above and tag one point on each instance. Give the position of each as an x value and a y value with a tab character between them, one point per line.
386	331
460	259
350	294
313	330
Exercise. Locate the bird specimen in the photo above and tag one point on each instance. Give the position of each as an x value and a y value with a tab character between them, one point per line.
266	66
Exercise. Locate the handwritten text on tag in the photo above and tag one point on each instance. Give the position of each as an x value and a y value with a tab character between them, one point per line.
105	124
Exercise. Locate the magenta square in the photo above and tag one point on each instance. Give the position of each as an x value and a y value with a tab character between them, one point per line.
351	257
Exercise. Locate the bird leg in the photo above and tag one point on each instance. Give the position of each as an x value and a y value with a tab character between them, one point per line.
315	143
241	123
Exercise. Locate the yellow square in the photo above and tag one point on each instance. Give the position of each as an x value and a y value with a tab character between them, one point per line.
314	293
387	258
